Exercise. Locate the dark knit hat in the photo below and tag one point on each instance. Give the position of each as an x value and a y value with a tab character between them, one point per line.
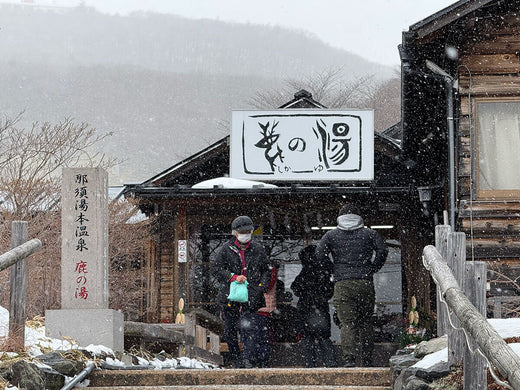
242	223
349	208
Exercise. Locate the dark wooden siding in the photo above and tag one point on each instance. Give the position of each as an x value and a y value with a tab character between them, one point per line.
489	67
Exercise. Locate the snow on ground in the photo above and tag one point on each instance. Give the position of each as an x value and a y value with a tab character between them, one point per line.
37	343
509	327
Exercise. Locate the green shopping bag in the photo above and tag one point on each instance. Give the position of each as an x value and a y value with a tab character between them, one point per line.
238	292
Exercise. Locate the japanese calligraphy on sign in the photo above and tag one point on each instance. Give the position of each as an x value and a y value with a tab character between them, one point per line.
182	251
84	238
302	145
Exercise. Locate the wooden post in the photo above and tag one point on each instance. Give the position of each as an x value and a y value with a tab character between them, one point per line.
181	260
415	280
456	260
201	337
441	243
18	284
214	343
497	307
475	372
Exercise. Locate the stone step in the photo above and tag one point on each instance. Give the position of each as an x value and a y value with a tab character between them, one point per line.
242	387
225	378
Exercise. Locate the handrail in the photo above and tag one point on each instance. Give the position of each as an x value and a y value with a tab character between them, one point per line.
19	253
487	338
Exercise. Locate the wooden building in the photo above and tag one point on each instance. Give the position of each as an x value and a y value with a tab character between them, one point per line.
289	216
461	125
454	153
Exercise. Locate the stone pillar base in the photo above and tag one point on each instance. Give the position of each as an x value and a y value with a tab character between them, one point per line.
87	326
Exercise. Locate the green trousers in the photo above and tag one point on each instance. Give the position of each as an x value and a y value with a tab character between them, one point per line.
354	301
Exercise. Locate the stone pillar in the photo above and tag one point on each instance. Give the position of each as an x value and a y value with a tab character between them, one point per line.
85	315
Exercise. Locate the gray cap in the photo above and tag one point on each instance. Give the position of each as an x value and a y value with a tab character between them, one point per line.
242	223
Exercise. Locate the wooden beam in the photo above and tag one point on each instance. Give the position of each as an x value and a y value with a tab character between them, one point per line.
491	63
488	227
489	86
20	252
499	43
170	333
491	209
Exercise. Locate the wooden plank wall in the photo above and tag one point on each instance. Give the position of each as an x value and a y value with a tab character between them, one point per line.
166	269
489	68
150	284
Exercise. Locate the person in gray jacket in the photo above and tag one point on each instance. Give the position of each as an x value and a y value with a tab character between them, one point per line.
357	254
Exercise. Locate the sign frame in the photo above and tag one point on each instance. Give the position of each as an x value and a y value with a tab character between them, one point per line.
302	145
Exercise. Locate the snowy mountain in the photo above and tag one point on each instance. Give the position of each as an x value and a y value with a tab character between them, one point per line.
164	85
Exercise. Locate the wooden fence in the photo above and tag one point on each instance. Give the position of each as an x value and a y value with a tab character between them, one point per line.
197	338
462	287
15	258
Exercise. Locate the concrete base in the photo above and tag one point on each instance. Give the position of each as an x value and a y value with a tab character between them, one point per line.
87	326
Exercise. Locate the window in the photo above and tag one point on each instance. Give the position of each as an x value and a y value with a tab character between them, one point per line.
498	135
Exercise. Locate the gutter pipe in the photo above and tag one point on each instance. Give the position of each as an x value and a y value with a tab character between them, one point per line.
451	146
449	84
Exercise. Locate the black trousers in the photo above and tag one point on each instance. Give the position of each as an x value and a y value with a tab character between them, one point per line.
240	324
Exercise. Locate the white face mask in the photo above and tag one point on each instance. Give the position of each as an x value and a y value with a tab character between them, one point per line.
244	238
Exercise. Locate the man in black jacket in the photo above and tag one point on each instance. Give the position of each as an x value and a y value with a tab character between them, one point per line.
357	254
241	260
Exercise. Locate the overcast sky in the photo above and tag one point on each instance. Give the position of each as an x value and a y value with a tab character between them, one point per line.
370	28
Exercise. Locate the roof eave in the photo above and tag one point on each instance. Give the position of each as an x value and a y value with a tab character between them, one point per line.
188	192
446	16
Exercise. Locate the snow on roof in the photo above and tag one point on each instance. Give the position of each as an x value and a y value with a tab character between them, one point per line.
228	182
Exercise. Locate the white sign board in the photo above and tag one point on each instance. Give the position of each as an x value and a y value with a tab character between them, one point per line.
182	251
302	145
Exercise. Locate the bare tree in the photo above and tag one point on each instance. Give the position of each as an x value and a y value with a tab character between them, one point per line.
30	187
385	99
129	240
332	89
32	160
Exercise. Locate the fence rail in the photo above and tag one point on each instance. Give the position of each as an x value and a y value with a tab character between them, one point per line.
490	343
15	258
19	253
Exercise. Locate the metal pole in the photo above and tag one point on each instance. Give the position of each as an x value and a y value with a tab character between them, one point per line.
451	147
78	378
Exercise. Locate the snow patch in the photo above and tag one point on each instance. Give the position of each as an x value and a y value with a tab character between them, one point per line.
228	182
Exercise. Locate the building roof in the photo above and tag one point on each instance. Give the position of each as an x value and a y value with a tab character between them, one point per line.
217	148
303	99
446	16
213	162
